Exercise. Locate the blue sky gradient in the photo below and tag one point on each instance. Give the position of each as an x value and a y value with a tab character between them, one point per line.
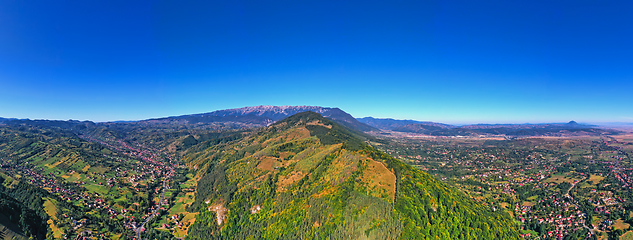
453	62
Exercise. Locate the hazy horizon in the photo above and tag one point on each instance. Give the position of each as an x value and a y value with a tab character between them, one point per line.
457	123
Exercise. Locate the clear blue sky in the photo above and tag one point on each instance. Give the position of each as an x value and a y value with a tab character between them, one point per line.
445	61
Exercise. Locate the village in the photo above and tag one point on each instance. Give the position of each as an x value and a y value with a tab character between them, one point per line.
127	194
567	188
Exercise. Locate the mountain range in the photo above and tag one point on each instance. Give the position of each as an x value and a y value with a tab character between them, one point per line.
303	176
259	116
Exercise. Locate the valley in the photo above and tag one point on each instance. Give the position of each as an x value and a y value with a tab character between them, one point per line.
554	187
286	172
95	188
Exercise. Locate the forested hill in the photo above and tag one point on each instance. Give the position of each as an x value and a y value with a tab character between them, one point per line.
307	177
21	213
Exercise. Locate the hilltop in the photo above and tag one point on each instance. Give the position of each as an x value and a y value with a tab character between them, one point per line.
307	176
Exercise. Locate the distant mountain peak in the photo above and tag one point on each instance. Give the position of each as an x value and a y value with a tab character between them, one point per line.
273	112
277	113
263	115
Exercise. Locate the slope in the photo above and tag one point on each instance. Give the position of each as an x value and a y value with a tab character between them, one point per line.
99	186
307	177
262	116
21	213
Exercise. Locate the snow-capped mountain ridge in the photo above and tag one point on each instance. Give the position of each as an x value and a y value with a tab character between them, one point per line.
273	112
265	115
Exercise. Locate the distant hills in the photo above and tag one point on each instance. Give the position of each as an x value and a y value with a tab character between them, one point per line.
260	116
391	124
439	129
6	119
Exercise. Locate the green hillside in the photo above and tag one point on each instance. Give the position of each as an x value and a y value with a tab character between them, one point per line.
308	177
21	212
85	186
304	177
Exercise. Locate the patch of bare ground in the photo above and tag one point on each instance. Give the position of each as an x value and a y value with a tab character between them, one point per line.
380	181
571	137
298	133
559	179
318	123
267	163
255	209
220	211
529	204
285	181
595	179
620	224
623	138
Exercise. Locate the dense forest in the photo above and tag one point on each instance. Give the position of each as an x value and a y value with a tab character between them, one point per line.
21	204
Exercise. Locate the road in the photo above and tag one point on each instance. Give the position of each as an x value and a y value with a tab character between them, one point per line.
573	200
572	187
138	229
